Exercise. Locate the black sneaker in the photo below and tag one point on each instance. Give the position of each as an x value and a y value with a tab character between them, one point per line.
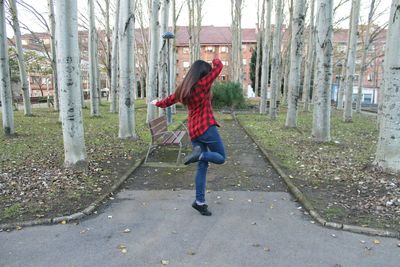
203	209
194	156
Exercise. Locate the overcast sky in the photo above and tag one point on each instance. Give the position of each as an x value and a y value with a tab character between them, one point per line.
215	12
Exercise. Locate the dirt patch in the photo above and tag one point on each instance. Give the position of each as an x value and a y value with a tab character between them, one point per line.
245	167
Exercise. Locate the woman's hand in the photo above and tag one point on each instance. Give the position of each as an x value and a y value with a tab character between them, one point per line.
153	102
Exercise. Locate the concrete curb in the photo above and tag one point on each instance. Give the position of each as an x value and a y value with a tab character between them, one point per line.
77	215
307	204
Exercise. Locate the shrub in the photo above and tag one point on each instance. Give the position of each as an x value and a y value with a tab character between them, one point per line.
227	94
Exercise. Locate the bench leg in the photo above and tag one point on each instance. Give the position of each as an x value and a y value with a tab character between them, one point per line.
148	152
179	154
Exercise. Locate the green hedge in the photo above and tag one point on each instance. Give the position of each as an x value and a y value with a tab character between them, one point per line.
228	94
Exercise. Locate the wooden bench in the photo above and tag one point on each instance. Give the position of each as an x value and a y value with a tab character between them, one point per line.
160	136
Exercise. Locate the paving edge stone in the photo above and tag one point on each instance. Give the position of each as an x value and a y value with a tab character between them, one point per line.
307	204
77	215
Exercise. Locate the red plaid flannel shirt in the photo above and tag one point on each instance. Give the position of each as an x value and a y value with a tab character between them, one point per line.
200	116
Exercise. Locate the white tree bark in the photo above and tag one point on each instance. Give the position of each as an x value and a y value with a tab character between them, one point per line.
260	30
387	152
5	83
310	60
276	48
236	28
296	52
364	56
324	40
126	33
114	63
94	94
350	67
265	58
153	64
69	82
108	44
56	99
163	77
21	60
172	63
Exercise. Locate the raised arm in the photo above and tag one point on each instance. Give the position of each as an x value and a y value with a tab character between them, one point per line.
213	74
168	101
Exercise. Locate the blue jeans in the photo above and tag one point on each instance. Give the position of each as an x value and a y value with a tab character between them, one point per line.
212	151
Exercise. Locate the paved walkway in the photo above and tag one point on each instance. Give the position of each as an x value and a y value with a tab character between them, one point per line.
251	225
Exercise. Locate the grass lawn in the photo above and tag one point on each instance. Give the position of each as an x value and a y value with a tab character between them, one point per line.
33	182
338	177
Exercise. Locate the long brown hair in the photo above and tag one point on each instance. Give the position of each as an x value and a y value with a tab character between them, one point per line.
198	70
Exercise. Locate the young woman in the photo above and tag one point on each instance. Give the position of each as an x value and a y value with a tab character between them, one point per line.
195	93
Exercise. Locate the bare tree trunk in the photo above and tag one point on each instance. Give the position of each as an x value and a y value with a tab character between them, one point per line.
5	82
284	68
172	63
237	62
21	61
342	81
387	152
163	76
265	59
126	33
350	67
114	63
364	57
68	79
324	39
94	94
108	48
56	99
153	64
260	29
310	61
296	52
276	48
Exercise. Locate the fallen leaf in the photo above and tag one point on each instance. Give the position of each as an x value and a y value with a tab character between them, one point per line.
191	253
231	199
376	242
164	262
256	245
253	223
333	235
18	227
109	217
267	249
127	230
64	222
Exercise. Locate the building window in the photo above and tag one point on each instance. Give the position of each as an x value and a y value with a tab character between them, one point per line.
25	42
46	41
140	51
244	61
186	64
225	63
244	46
186	50
367	98
223	49
210	49
223	77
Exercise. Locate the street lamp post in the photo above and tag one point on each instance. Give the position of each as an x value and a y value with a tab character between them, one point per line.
167	36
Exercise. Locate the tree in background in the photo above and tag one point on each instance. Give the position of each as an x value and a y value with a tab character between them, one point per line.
114	62
265	70
350	65
39	68
126	33
5	83
253	68
296	52
324	39
276	48
236	29
21	61
310	60
50	4
388	147
68	60
93	63
153	61
258	55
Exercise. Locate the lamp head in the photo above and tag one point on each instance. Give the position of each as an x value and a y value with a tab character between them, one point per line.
168	35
